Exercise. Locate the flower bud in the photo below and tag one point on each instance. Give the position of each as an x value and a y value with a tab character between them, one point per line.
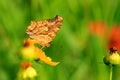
113	58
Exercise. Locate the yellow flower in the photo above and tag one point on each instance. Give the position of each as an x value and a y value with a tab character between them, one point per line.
28	51
113	58
27	73
41	55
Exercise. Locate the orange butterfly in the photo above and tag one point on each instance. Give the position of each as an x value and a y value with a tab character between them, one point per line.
43	32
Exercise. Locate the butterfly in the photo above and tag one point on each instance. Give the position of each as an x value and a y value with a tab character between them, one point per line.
44	31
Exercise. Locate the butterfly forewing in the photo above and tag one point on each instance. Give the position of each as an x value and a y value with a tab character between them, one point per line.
43	32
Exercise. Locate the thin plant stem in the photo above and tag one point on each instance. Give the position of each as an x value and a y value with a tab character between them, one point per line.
42	47
110	72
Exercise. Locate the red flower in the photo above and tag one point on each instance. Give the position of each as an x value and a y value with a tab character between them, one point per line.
99	29
114	37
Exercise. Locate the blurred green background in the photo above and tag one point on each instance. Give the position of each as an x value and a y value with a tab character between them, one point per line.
80	54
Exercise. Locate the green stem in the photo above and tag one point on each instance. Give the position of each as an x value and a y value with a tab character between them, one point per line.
110	72
42	47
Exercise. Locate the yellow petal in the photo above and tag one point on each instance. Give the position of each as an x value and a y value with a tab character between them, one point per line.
41	55
30	72
28	53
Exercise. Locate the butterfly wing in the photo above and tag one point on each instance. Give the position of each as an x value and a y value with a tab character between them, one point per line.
43	32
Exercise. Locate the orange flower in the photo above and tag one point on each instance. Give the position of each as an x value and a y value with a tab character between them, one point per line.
41	55
98	28
25	64
28	42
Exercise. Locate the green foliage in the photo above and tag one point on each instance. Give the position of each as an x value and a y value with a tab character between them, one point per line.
79	53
